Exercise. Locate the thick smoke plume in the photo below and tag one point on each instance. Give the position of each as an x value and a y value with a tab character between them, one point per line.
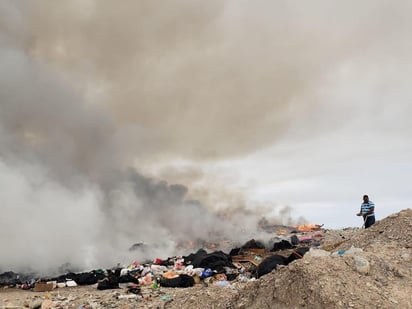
92	93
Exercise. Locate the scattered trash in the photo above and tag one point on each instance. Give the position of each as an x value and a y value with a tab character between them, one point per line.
71	283
305	239
135	289
282	245
182	281
157	261
166	298
43	286
207	273
222	283
318	252
155	285
127	296
309	227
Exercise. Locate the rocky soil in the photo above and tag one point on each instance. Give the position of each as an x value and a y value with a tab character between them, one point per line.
349	268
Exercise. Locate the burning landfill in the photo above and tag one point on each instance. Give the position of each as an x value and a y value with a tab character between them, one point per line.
298	269
209	265
123	128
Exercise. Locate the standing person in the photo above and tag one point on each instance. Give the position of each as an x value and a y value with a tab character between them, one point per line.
367	211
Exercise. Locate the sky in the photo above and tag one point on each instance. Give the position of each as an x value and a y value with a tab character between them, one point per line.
163	122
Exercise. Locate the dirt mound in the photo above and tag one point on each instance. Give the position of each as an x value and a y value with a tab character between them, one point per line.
378	276
394	230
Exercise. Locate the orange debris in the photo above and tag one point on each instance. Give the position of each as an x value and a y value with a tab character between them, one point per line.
308	227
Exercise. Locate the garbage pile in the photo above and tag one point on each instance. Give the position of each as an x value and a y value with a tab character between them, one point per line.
248	262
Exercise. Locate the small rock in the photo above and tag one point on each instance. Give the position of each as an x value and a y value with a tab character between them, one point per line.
36	304
361	264
406	256
10	306
393	300
353	250
47	304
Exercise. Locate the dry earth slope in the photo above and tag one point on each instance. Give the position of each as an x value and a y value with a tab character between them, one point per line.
380	276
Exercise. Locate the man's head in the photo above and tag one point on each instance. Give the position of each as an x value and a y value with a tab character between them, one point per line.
366	198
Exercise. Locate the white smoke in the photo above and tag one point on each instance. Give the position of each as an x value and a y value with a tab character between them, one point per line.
93	93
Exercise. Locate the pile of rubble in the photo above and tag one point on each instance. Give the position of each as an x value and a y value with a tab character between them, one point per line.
315	268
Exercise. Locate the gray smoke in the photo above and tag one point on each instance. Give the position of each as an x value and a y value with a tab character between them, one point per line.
93	93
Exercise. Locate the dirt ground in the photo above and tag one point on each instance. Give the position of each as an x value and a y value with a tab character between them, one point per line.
375	273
